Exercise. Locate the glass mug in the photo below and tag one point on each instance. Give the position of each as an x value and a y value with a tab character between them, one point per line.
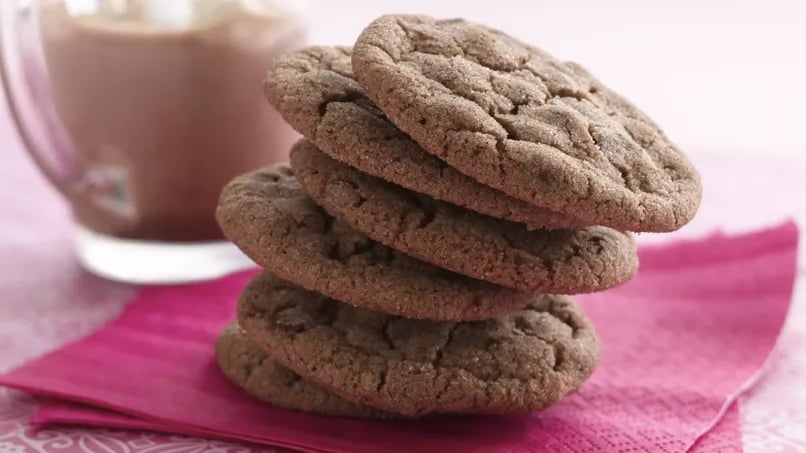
139	112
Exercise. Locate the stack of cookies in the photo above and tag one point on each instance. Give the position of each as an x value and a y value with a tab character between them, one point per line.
451	182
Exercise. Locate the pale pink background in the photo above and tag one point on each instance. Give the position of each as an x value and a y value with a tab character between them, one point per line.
725	80
723	75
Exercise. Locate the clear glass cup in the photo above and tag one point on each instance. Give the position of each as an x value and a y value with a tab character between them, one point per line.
139	112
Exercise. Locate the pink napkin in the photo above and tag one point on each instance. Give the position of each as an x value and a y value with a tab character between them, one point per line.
680	343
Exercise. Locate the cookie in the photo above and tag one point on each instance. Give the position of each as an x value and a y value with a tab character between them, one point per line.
269	217
314	90
506	253
248	367
522	361
515	118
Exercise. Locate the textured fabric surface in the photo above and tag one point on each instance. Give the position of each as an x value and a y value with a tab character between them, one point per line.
676	352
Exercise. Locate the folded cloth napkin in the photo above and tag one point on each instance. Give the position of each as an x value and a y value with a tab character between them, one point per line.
680	343
726	435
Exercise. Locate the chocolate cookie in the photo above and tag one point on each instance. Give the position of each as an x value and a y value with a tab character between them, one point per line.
267	214
498	251
247	366
316	93
515	118
522	361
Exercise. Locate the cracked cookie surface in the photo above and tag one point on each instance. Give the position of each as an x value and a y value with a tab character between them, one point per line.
522	361
506	253
315	91
247	366
515	118
271	219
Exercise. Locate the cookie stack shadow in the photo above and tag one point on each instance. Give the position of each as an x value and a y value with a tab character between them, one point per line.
452	187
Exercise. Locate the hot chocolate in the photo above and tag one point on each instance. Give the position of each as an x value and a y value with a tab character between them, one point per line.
162	102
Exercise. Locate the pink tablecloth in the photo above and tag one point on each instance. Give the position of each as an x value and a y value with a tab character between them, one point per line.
46	300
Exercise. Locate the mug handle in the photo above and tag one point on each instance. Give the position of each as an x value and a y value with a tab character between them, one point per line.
24	80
